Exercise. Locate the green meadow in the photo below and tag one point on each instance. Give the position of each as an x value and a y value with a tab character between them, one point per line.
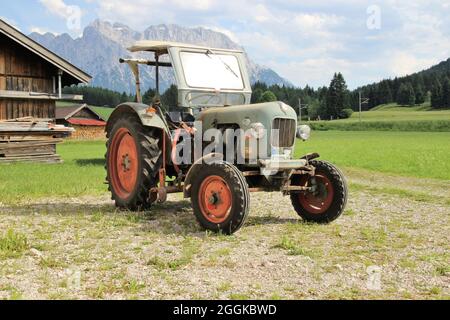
391	117
389	112
82	173
419	153
414	154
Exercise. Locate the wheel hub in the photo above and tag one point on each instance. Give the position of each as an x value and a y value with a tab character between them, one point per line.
215	199
126	162
321	196
123	163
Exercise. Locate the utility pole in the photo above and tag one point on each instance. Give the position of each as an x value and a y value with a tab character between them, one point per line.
361	102
300	107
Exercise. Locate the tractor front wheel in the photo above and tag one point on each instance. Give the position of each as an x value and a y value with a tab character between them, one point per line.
327	200
220	198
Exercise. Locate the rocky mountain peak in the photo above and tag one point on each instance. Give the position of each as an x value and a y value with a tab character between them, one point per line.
98	50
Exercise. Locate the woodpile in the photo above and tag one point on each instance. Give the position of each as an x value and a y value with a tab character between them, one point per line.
88	133
29	139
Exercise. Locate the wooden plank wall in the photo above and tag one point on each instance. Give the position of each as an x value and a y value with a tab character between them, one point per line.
21	70
18	108
2	66
85	114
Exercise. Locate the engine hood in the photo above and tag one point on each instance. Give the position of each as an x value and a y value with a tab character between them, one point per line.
264	113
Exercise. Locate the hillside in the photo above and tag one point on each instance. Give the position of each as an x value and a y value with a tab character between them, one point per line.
424	84
442	68
101	45
389	112
391	117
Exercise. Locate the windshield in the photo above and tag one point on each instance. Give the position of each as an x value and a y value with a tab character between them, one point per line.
210	70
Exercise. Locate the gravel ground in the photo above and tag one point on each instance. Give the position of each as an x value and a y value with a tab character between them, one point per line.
386	245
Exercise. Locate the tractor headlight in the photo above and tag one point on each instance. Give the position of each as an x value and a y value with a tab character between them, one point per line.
258	130
304	132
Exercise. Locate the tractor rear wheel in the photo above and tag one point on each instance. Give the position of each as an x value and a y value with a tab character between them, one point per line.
220	198
133	159
329	198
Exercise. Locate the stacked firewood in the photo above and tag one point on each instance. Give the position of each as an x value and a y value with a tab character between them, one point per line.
31	140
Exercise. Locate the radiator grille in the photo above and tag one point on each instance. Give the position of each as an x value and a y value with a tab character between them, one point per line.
283	134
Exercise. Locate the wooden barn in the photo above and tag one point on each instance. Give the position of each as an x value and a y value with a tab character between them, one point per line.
31	81
87	123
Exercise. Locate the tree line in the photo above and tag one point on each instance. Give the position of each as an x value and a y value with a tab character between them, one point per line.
328	102
332	102
101	97
431	85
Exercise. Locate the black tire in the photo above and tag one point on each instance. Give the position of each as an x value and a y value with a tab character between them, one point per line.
149	161
240	197
339	199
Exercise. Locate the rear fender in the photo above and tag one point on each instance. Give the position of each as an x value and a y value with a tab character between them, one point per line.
151	120
139	110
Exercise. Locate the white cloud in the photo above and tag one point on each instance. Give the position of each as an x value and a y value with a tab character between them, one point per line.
404	63
262	14
42	30
306	41
57	7
193	4
226	32
313	22
71	13
422	39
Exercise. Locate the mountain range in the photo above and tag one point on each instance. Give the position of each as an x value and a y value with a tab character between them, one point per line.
98	49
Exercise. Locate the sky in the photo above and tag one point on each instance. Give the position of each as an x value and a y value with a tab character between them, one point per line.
303	41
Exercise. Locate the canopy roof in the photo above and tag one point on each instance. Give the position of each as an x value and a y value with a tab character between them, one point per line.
163	46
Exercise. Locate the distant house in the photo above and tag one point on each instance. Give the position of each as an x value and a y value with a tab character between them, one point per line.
31	81
87	123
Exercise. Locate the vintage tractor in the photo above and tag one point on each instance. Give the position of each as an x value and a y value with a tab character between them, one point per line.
213	145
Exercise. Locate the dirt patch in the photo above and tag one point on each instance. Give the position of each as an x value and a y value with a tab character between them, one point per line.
384	246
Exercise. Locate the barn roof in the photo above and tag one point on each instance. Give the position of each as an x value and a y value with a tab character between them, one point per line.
87	122
65	113
77	75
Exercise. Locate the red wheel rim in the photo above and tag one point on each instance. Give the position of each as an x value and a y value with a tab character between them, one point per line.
321	200
123	163
215	199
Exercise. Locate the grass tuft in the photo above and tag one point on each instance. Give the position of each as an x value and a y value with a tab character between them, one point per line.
13	244
292	247
190	248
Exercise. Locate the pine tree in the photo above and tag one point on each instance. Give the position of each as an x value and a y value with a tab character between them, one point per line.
405	95
436	95
169	99
124	97
420	95
384	93
148	96
256	95
372	95
268	96
445	94
337	97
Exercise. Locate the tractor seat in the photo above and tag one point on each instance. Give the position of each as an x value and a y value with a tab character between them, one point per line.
176	117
